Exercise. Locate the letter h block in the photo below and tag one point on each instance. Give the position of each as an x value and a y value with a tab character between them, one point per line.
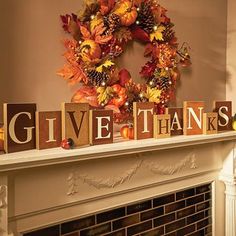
162	126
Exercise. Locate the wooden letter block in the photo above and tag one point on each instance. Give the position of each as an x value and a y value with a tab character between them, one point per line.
75	122
48	129
176	120
210	123
193	118
101	127
143	120
162	126
224	110
19	127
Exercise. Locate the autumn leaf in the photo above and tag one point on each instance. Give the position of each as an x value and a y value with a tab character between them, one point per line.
85	32
104	94
97	20
157	35
106	64
123	35
153	94
97	34
149	49
106	6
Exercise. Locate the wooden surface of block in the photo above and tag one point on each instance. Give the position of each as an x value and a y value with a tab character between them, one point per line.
162	126
19	127
210	123
143	119
75	123
224	110
193	117
176	120
101	127
48	129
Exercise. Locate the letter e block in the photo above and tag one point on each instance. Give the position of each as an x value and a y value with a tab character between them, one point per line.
224	110
161	126
143	119
101	127
193	117
210	123
75	122
19	127
176	120
48	129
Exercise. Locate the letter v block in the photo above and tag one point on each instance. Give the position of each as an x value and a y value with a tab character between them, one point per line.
48	129
75	122
101	127
210	123
143	119
19	127
193	117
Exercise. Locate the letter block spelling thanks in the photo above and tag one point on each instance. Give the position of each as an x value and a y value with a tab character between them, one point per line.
210	123
48	129
176	120
224	110
19	131
101	127
161	126
75	122
143	120
193	117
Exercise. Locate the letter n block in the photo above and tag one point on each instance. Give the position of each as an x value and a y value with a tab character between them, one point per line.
19	127
193	117
176	120
143	119
162	126
48	129
210	123
224	110
101	127
75	122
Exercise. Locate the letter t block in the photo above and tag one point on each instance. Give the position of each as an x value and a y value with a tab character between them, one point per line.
143	119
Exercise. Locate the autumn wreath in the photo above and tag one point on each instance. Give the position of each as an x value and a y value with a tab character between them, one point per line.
101	33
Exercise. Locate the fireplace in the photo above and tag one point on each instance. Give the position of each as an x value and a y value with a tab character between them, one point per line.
174	186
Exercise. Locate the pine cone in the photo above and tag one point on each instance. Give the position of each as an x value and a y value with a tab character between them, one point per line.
168	34
164	83
145	18
97	78
111	22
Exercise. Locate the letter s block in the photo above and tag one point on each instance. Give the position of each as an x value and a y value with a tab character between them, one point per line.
48	129
143	120
19	123
75	122
224	110
101	127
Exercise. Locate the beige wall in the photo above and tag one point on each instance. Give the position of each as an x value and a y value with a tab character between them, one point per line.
31	50
231	54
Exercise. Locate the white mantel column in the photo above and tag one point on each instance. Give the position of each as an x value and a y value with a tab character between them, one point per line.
3	206
228	176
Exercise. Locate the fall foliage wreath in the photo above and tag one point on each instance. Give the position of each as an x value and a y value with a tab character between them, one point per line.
101	33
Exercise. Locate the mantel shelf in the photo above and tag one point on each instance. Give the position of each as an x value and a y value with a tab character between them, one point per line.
35	158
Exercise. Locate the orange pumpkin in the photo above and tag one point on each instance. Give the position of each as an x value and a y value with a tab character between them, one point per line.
90	51
127	131
126	12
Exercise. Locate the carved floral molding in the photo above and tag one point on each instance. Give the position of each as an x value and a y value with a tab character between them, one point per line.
3	205
111	182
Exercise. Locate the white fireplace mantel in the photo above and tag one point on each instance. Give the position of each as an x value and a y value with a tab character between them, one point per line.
41	188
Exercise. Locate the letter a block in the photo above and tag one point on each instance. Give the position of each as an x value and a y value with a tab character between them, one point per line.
193	117
224	110
143	119
101	127
75	122
210	123
48	129
161	126
176	120
19	127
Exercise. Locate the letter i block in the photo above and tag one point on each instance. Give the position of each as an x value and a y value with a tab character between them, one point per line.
143	119
210	123
224	110
193	117
19	130
48	129
75	122
161	126
101	127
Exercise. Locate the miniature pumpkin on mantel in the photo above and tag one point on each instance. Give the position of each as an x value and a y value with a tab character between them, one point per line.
127	131
234	122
